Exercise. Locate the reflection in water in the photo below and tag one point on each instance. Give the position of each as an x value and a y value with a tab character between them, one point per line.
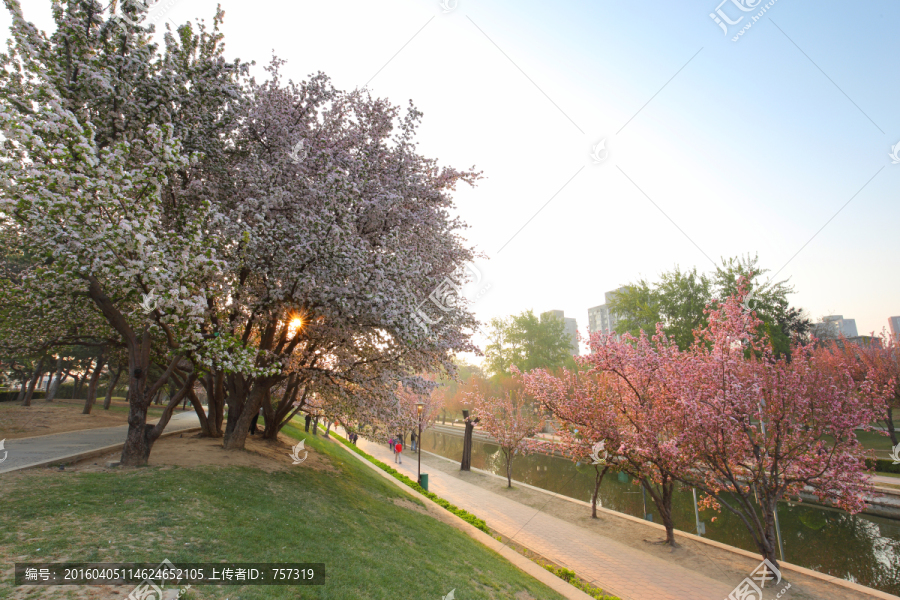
861	548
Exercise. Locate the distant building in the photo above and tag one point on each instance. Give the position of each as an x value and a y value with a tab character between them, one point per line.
894	322
600	318
571	327
834	326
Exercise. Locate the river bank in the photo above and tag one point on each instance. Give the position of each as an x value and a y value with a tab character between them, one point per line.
868	547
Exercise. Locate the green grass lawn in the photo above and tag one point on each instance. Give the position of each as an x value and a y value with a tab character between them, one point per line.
881	444
372	548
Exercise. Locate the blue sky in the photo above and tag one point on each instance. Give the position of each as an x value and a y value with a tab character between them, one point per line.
716	148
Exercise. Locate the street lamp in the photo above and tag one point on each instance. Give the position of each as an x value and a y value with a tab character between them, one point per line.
419	407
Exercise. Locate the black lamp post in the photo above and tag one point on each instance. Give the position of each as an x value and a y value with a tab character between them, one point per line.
419	407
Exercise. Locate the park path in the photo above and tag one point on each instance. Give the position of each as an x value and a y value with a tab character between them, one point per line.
617	568
26	452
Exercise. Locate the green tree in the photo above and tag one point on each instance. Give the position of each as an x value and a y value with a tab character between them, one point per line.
528	342
679	298
781	321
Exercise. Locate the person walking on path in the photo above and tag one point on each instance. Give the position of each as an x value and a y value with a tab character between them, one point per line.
398	453
391	444
414	440
308	419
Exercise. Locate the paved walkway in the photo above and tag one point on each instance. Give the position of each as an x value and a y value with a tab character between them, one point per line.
29	451
617	568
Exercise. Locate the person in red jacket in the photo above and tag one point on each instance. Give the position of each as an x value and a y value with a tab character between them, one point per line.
398	453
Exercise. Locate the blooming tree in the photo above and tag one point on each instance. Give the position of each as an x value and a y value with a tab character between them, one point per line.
877	362
764	428
92	182
511	418
651	429
587	423
334	230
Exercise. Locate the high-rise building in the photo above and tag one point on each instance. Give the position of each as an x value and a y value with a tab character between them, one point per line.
571	327
833	326
600	318
894	322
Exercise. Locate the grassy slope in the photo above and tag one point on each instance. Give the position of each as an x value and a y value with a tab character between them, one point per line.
372	548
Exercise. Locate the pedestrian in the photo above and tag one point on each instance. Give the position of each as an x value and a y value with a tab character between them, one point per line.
414	440
398	453
391	444
308	419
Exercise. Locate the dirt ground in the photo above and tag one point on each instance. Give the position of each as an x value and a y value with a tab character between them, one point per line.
43	418
719	564
190	450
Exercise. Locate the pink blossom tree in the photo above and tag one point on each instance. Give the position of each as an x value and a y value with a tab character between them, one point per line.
764	428
587	425
878	362
650	427
510	418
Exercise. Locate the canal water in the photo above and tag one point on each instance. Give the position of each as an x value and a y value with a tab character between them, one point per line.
861	548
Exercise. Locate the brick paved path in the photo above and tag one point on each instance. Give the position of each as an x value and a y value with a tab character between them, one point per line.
617	568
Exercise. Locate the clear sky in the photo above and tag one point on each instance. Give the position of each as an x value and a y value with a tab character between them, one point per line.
777	143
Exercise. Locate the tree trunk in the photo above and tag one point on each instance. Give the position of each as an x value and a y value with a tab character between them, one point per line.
34	377
890	425
75	385
662	499
141	436
509	459
316	426
113	380
769	537
285	413
597	481
238	436
57	381
206	423
92	386
23	390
